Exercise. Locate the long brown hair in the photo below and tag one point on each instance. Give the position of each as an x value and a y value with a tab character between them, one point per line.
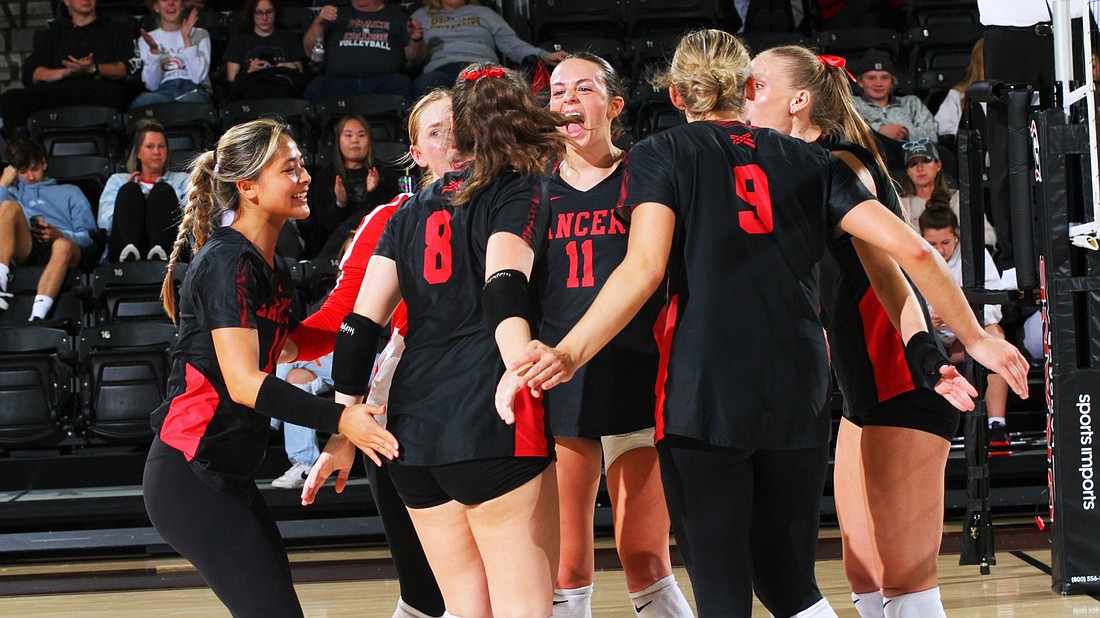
144	127
709	70
498	121
831	97
975	69
241	154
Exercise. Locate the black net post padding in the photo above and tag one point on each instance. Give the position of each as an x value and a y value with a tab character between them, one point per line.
971	199
1020	176
977	532
1070	295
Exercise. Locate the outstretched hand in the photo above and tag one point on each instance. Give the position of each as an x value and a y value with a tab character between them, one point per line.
548	366
339	457
956	389
1004	359
358	424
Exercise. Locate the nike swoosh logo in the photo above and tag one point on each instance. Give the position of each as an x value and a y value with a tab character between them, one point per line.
887	602
555	197
639	609
560	602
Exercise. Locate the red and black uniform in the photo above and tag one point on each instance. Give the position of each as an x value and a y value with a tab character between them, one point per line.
441	403
315	337
866	350
198	486
613	393
743	381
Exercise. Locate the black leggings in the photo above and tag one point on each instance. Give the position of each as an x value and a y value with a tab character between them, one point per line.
745	520
235	545
144	220
418	587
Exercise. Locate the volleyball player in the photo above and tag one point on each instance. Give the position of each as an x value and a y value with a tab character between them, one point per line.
234	313
742	440
481	492
896	432
429	128
607	409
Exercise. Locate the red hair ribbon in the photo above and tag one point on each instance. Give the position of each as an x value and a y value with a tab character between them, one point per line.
495	73
836	62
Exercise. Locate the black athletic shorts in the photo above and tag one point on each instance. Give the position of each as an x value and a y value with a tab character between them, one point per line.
469	482
921	409
39	254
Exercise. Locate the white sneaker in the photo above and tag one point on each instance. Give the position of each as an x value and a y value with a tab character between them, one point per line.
157	253
293	478
129	253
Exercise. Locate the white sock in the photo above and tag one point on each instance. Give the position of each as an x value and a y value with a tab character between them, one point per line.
404	610
869	604
821	609
573	603
41	307
662	598
996	421
5	270
923	604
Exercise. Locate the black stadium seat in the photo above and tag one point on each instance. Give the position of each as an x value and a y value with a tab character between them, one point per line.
36	384
130	291
385	112
124	377
78	130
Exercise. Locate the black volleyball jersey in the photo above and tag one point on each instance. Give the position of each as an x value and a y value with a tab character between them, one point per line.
743	352
441	400
866	350
614	392
228	285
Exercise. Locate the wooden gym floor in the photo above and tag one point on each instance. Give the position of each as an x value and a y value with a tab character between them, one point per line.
359	582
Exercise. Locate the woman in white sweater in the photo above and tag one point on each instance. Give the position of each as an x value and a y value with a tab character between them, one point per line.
175	58
460	32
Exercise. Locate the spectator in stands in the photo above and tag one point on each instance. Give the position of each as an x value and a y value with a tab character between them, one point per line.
895	119
351	185
940	227
365	45
140	207
458	33
949	114
300	443
41	223
925	183
271	59
175	58
76	61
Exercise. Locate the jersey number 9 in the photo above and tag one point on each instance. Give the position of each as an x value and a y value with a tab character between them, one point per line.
752	188
437	252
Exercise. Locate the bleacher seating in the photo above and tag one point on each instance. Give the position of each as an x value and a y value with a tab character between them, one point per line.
90	173
67	312
552	18
129	291
188	126
124	375
36	384
77	130
385	113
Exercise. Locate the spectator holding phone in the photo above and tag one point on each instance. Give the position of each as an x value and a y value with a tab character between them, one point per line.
41	223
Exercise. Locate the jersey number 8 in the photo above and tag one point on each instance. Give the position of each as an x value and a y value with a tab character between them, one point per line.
437	252
752	188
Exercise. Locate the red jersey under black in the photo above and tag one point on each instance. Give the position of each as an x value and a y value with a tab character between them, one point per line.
441	407
866	350
228	285
743	352
614	392
316	335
